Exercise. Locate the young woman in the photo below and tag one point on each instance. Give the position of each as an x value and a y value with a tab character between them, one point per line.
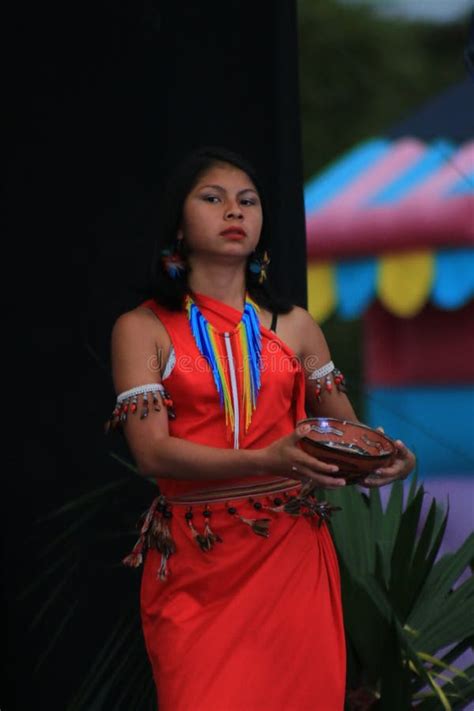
240	598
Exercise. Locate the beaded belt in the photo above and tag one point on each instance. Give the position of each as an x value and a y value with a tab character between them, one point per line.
243	491
155	531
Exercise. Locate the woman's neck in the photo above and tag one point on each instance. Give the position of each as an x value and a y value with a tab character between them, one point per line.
223	283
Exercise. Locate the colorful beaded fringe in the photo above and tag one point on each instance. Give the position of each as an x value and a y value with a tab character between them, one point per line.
248	345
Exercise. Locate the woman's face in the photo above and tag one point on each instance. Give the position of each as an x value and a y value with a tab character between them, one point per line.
222	214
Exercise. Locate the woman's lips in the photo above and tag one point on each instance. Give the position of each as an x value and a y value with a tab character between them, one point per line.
234	233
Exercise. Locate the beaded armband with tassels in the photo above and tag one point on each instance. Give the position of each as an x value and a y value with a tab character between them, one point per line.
127	403
325	377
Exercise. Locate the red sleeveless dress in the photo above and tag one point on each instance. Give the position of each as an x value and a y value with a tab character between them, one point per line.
255	624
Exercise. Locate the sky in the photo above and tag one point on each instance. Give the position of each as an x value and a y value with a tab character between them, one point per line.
432	10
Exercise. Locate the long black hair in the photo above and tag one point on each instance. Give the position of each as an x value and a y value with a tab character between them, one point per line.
170	292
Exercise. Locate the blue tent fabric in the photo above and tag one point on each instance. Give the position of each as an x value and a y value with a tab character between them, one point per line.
431	160
454	278
328	184
463	186
453	282
355	282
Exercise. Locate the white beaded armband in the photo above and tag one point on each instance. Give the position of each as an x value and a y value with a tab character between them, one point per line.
152	395
324	373
140	390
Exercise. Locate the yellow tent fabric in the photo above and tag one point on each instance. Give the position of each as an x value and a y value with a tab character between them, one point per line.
404	281
321	290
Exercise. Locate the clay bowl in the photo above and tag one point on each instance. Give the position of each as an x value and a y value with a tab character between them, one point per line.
356	448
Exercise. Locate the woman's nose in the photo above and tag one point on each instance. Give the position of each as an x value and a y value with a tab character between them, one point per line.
234	212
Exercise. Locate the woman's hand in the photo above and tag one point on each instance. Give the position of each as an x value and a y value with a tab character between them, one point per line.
285	458
402	465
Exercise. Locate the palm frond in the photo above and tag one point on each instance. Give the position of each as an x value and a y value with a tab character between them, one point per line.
402	606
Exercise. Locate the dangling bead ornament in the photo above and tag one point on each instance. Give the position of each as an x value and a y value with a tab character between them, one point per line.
154	533
208	532
260	526
324	373
328	384
246	360
205	540
198	537
127	402
340	380
144	412
259	266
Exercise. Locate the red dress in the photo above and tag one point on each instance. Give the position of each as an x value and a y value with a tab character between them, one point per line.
255	624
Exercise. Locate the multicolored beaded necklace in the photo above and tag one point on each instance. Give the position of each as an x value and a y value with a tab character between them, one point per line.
216	347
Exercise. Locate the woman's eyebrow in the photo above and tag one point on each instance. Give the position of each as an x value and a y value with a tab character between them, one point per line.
222	190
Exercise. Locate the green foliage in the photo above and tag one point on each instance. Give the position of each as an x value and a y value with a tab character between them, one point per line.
403	607
361	73
345	343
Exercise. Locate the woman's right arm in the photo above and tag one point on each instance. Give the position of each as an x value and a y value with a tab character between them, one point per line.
138	340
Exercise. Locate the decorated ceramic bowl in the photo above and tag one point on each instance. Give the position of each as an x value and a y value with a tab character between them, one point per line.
356	448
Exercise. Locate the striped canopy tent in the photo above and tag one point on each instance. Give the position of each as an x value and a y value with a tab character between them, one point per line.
392	220
390	238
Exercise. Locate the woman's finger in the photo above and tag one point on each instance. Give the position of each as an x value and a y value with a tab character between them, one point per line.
393	470
314	464
402	449
328	482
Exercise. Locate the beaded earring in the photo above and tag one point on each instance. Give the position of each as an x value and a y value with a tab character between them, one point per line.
259	266
173	261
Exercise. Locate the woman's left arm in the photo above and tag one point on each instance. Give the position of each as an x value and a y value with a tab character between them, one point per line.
326	398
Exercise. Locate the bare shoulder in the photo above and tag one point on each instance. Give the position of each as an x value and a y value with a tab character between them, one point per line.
302	333
301	317
139	325
140	347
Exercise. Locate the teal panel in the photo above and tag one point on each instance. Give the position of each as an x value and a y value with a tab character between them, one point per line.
436	423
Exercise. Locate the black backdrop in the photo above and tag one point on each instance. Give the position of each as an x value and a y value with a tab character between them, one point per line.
101	99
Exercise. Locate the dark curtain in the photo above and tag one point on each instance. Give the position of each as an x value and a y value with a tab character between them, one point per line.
100	100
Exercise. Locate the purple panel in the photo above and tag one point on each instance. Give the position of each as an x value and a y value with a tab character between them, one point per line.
459	491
